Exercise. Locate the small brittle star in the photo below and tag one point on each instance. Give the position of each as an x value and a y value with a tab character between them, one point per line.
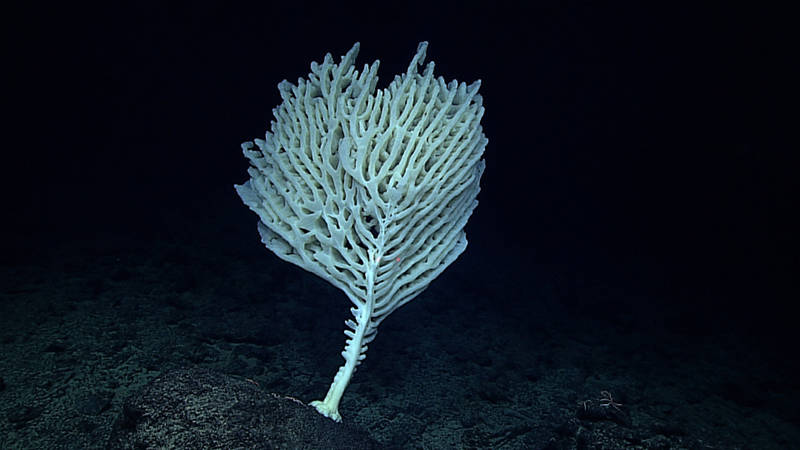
607	400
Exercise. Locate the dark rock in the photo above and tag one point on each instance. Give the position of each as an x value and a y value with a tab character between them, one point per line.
56	347
93	404
85	426
198	408
25	413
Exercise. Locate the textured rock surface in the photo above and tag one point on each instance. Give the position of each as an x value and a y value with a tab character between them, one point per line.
198	408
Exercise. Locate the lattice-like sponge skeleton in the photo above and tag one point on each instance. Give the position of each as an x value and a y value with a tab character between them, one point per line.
369	189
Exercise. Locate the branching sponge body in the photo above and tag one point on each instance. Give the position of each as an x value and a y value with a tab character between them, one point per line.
369	189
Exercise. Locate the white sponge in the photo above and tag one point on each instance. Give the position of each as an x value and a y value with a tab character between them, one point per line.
369	189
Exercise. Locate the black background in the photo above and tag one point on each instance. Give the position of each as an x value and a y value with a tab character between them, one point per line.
645	144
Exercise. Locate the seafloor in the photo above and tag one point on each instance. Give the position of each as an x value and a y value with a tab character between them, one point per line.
499	352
